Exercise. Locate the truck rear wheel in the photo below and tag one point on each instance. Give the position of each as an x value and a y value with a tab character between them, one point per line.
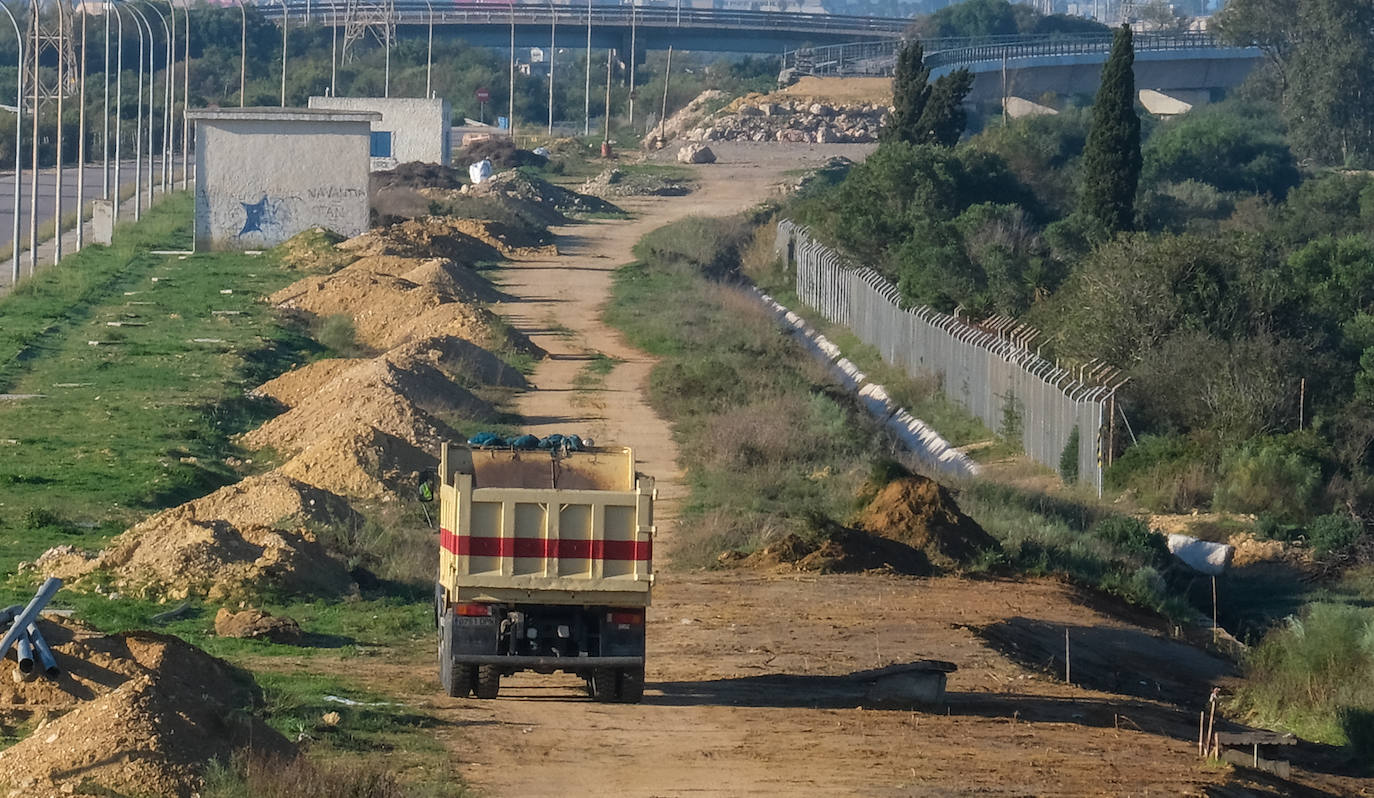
486	683
631	685
457	680
604	685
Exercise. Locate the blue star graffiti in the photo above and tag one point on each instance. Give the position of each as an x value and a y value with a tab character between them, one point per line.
261	216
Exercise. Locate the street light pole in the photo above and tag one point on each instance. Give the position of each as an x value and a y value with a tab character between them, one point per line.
587	92
553	43
57	194
284	18
105	138
510	100
333	51
186	103
386	79
138	114
243	52
81	143
166	112
18	147
33	173
167	79
429	56
119	100
634	49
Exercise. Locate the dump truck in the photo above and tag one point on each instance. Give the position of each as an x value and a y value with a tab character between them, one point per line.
545	564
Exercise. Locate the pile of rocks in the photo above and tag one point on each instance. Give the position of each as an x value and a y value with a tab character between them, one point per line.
795	121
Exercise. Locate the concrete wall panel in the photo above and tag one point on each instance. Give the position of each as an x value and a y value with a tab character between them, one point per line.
419	127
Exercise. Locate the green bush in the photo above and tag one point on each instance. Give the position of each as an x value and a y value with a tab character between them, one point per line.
1167	473
1333	533
1315	677
1068	459
1267	475
1132	537
1227	149
338	334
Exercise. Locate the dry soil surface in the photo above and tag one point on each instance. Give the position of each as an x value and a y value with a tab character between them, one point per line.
747	692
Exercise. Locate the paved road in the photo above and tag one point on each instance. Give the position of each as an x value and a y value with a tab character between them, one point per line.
47	180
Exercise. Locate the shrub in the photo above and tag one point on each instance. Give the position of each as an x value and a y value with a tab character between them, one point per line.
1132	537
1332	533
1167	473
1068	459
258	775
1315	677
39	518
337	334
1267	475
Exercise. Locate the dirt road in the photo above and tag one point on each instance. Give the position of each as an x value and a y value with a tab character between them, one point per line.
747	694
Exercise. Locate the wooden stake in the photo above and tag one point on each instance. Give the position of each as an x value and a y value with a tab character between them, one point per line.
1211	718
1066	656
1214	610
1201	718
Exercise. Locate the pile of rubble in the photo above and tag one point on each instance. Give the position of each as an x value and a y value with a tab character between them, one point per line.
616	182
792	120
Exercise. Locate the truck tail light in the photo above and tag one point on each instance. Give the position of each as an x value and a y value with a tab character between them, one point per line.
626	617
472	609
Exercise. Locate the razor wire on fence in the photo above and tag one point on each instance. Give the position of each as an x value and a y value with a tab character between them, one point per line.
992	375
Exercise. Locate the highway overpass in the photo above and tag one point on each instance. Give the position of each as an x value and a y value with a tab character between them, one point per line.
1188	66
655	28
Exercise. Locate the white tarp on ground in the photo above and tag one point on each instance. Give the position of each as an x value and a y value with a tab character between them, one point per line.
923	442
1201	555
480	172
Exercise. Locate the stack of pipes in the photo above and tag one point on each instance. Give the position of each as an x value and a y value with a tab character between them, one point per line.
20	623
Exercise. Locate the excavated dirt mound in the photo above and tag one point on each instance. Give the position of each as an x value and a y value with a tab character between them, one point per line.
298	384
313	250
500	150
417	175
433	236
448	277
256	625
516	243
396	401
462	360
542	193
839	550
616	183
240	540
922	514
361	462
132	714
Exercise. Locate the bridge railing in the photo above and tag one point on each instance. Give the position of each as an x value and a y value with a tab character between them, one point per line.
416	12
879	58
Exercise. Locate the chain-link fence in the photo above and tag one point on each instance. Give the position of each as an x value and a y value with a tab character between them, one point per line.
991	374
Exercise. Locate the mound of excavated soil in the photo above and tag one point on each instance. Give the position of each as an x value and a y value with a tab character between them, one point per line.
133	714
448	277
541	193
839	550
313	250
417	175
361	462
501	151
922	514
253	624
429	237
462	360
616	183
299	383
240	540
516	243
377	393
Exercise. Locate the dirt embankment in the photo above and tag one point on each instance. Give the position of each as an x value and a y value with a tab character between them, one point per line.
131	714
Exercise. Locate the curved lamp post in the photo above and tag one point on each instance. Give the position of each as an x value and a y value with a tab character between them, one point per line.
243	51
553	43
285	18
81	144
18	149
57	185
186	102
429	56
119	101
138	114
587	94
166	117
105	138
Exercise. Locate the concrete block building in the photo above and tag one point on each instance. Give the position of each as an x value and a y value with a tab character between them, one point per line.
411	128
266	174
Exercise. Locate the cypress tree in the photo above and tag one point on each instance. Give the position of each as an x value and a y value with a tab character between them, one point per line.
1111	157
926	113
910	92
944	118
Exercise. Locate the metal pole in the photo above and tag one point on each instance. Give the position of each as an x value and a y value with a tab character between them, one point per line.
186	104
119	101
138	119
243	52
18	147
81	142
105	138
33	175
167	80
587	92
57	185
386	80
429	55
633	50
333	52
663	115
510	101
152	81
284	18
553	42
610	59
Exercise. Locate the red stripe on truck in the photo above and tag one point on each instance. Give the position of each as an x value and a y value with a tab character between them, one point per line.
543	549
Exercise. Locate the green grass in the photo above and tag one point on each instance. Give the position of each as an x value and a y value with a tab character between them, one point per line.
142	419
592	376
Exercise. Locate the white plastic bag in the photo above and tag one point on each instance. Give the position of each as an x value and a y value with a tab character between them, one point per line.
480	172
